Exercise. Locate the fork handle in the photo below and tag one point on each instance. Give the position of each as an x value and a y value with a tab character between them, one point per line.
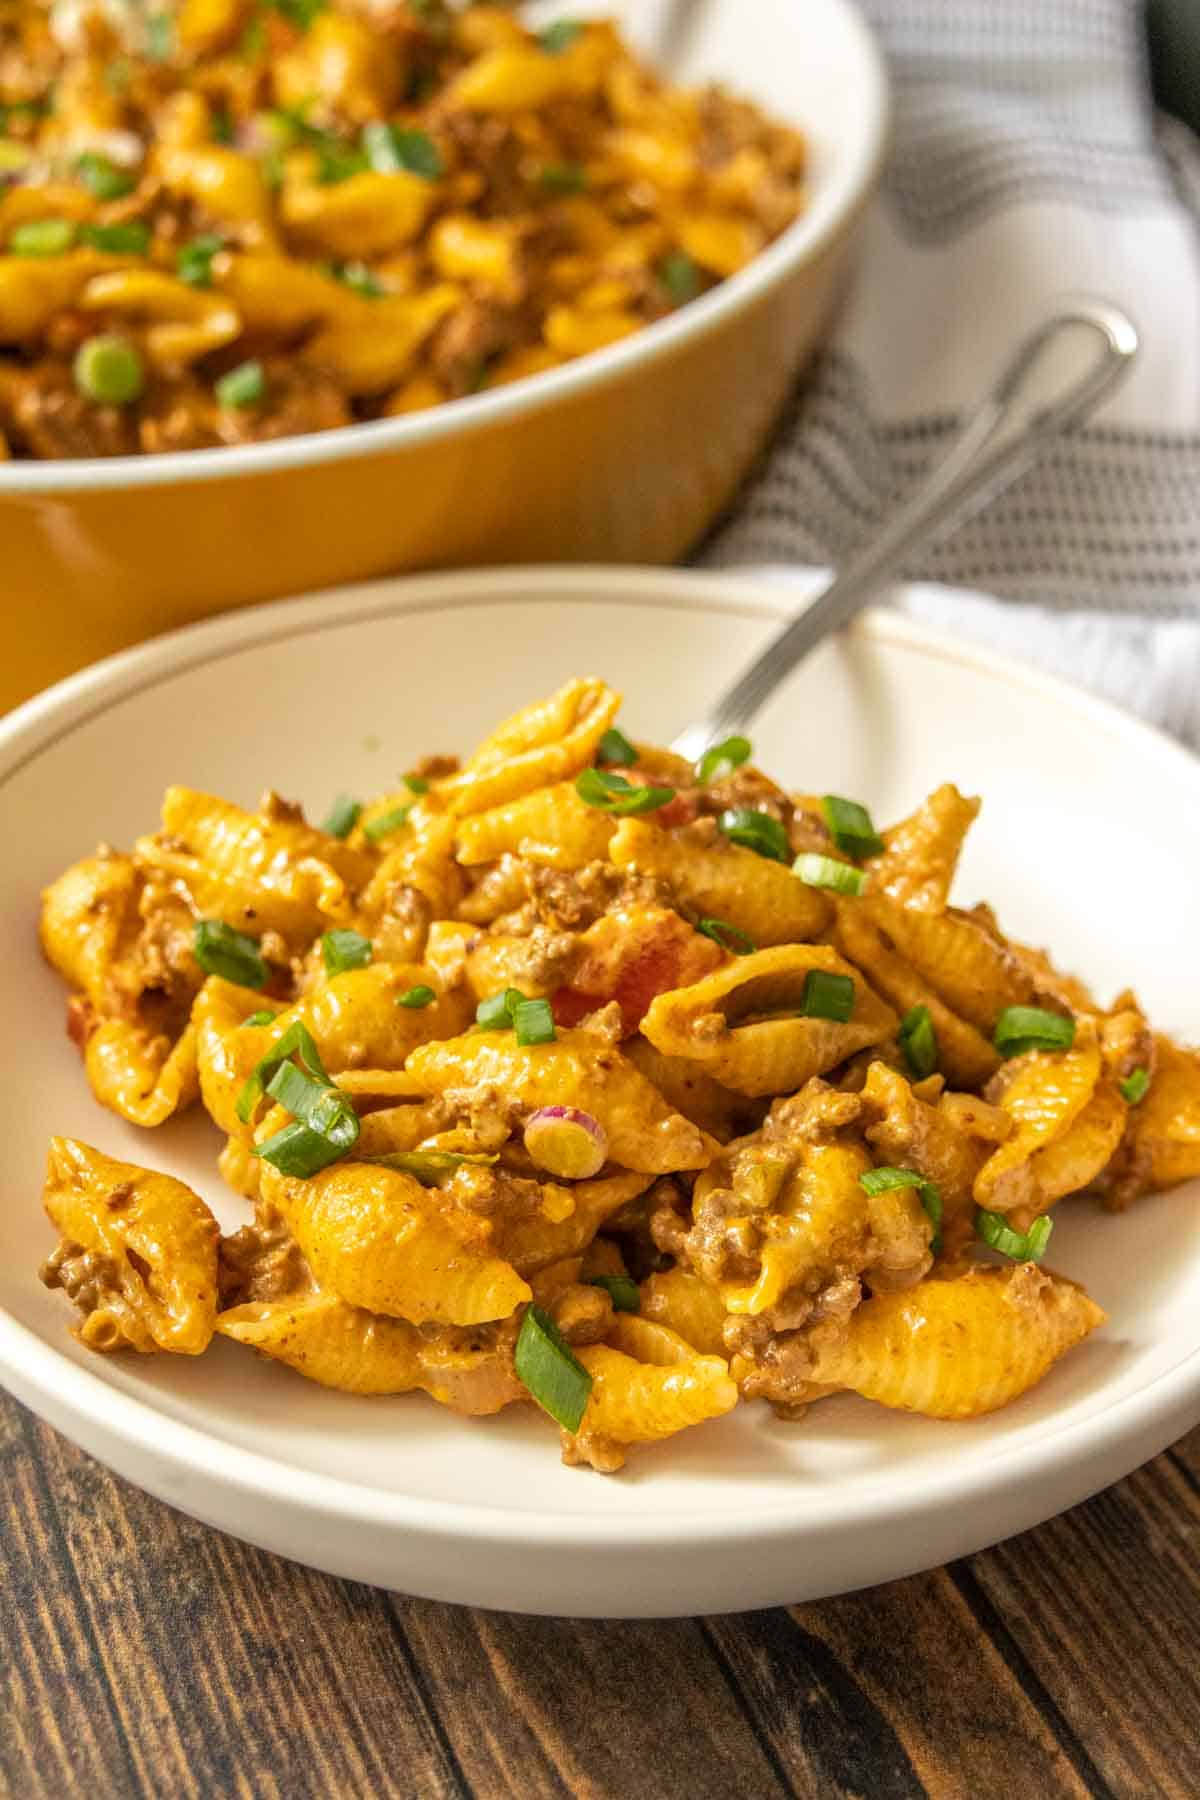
997	444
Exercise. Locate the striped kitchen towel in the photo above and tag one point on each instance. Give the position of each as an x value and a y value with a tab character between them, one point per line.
1027	164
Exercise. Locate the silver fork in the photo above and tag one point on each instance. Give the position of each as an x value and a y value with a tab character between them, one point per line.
1025	411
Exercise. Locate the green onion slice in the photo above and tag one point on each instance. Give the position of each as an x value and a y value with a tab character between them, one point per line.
383	824
563	178
103	178
723	759
298	1041
390	149
430	1167
1022	1028
999	1235
220	950
325	1125
343	949
130	239
358	277
680	276
546	1365
827	995
881	1181
560	36
263	1017
533	1022
615	749
757	831
108	370
416	997
41	237
416	784
613	794
243	387
918	1042
193	261
827	872
850	827
497	1012
622	1290
343	816
1135	1087
160	37
729	937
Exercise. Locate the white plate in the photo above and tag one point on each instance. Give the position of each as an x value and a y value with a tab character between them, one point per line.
1082	845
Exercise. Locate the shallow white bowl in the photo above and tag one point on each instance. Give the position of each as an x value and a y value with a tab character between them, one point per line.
1079	846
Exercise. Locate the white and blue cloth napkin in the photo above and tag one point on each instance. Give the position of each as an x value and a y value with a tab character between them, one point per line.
1027	164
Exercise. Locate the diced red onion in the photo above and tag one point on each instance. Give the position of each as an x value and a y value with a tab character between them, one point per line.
566	1142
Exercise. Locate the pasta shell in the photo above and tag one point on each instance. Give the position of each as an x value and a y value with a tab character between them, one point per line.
921	855
742	1025
957	1349
724	881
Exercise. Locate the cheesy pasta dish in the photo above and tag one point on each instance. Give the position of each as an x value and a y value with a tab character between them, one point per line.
579	1075
226	221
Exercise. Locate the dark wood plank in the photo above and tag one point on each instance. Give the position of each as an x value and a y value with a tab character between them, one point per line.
559	1707
143	1654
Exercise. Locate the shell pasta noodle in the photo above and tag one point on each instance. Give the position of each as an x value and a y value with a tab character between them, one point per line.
578	1078
228	221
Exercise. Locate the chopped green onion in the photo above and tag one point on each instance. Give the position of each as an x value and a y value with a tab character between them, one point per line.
263	1017
563	178
344	949
129	239
723	759
103	178
416	784
383	824
160	37
496	1013
358	278
194	260
560	36
850	827
416	997
297	1040
918	1042
326	1125
827	996
108	371
546	1365
41	237
622	1290
827	872
337	161
680	276
1022	1028
881	1181
343	816
757	831
243	387
999	1235
299	13
729	937
1135	1087
222	126
613	794
615	748
220	950
391	148
533	1022
430	1167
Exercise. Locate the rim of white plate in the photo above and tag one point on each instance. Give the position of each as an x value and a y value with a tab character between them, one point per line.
848	181
42	1370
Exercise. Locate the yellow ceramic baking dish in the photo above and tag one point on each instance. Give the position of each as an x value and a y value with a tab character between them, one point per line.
624	456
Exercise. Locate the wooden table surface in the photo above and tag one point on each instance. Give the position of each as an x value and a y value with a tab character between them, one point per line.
144	1654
